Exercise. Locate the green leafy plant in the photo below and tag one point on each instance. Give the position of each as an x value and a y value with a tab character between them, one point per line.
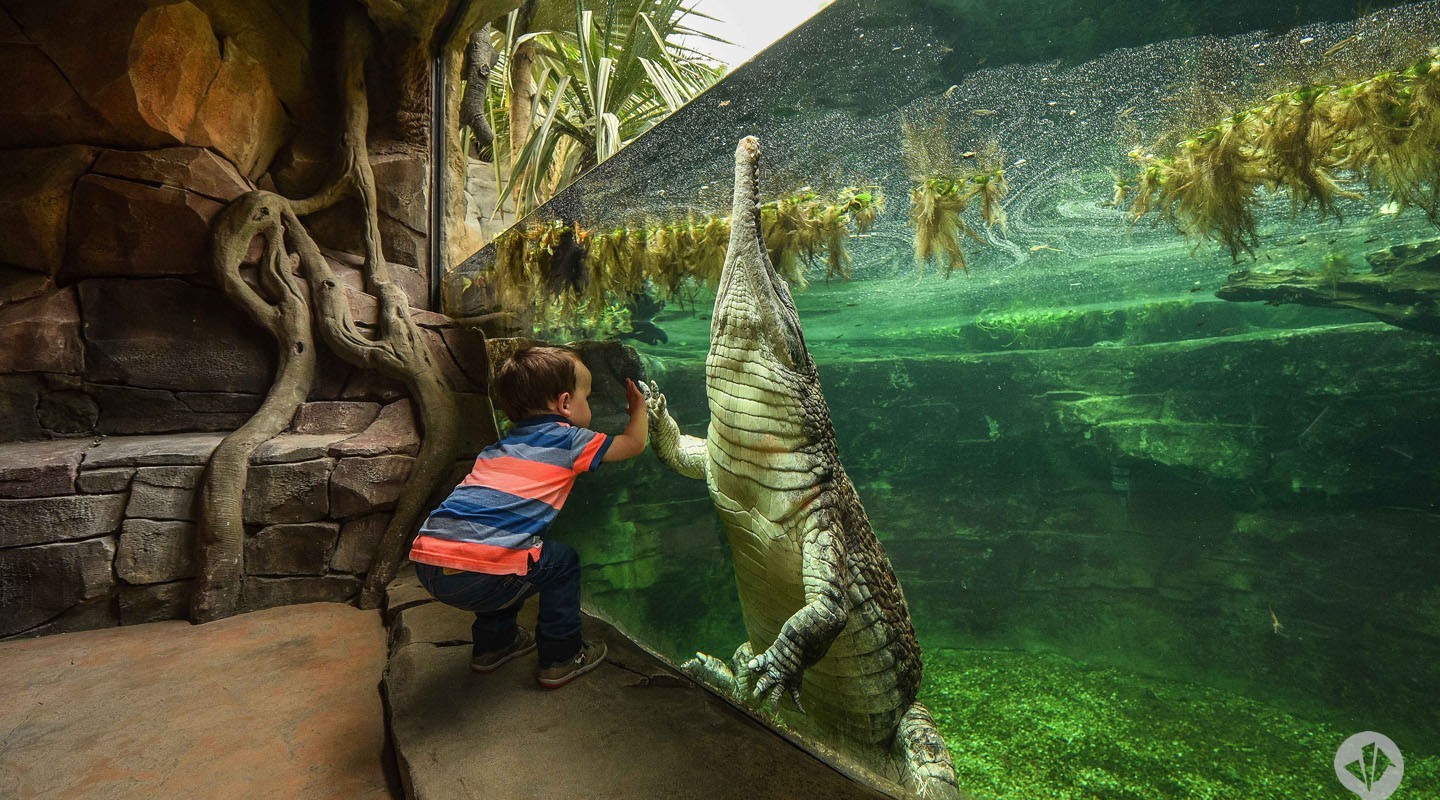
597	87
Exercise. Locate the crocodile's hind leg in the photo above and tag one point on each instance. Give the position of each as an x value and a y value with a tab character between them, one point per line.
926	769
734	681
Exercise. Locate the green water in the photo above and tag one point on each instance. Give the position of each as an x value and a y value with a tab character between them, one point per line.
1085	639
1155	544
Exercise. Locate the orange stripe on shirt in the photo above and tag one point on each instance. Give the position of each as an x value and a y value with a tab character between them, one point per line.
472	556
531	480
583	461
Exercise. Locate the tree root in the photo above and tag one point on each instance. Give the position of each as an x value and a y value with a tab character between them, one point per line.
286	316
396	349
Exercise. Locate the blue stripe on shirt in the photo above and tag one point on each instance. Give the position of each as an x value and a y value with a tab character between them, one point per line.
501	518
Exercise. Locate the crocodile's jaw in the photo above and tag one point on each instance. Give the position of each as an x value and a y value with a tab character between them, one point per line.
765	403
753	306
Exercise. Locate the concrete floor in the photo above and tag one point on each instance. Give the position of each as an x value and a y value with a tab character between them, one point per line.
286	703
632	729
276	704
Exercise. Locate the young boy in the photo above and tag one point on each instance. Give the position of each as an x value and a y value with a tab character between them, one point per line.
482	550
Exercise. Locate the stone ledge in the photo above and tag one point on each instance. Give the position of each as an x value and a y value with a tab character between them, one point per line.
40	469
430	623
404	592
632	727
56	519
178	449
288	448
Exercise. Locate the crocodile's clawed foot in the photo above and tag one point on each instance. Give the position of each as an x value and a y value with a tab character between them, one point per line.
776	673
711	670
663	426
926	767
654	400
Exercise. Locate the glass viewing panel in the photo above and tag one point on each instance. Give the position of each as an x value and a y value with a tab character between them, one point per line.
1150	435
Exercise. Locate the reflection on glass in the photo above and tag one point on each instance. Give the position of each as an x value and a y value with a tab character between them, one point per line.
1156	462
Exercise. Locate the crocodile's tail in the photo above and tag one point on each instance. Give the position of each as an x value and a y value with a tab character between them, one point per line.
925	765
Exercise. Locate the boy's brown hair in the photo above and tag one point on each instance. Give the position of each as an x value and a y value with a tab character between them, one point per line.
529	380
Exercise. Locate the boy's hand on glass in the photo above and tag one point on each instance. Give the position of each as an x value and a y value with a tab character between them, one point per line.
634	398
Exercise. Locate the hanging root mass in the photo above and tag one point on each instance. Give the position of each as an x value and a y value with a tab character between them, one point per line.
562	276
1384	129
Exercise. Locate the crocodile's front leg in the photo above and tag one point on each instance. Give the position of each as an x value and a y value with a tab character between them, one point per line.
684	454
808	633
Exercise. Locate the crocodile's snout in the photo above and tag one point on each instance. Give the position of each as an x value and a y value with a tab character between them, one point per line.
749	147
753	303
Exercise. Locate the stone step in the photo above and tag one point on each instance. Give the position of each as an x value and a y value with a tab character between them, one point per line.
95	533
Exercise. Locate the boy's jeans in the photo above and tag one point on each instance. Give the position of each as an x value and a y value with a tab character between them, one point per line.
496	600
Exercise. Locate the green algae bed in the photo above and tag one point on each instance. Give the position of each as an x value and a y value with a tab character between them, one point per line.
1031	726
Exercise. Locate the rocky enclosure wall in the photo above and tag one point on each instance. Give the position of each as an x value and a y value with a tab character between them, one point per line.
95	534
126	126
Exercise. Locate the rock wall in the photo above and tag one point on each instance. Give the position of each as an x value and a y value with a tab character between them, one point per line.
126	126
100	533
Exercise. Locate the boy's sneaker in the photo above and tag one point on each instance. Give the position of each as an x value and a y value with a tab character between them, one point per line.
491	661
557	675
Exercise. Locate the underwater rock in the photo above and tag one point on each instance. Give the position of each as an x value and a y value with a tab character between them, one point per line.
1423	255
1402	287
643	307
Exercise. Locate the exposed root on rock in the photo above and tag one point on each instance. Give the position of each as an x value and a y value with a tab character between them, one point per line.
395	348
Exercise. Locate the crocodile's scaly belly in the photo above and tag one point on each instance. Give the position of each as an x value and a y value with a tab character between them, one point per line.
765	474
853	690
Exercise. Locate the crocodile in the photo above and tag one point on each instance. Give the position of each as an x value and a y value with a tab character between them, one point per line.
826	621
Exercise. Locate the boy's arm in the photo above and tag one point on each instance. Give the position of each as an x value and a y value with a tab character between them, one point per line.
631	443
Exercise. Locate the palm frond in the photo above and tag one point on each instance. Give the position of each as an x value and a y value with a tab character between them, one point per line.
598	87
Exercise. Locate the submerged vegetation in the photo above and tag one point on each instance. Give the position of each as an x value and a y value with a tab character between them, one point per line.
1089	731
937	208
946	184
1384	130
564	276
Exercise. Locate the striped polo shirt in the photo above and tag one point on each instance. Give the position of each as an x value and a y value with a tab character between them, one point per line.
494	519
